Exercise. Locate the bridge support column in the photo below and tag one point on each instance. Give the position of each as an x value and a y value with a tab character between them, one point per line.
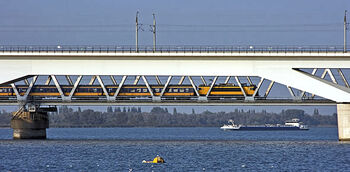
343	111
29	125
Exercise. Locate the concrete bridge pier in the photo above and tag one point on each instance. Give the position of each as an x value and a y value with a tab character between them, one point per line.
343	111
30	124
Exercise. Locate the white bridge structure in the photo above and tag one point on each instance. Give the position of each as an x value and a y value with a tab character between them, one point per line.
294	67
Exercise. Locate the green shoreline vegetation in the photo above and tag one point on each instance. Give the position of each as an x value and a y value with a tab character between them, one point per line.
161	117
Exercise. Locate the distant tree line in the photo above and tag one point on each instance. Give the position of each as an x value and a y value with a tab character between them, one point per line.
161	117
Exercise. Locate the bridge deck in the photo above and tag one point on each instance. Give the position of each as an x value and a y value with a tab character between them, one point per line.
172	50
103	102
278	64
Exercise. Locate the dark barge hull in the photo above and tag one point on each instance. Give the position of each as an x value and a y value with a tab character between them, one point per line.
248	128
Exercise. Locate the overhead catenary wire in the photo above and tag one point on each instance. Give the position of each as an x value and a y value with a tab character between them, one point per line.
320	27
251	25
170	25
65	25
173	31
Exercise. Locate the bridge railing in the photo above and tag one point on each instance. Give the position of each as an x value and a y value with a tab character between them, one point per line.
171	49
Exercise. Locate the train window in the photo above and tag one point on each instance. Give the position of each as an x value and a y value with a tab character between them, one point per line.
132	90
145	90
175	90
170	90
0	90
95	90
187	90
157	90
41	89
181	90
138	90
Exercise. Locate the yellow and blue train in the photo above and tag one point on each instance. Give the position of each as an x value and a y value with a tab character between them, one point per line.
132	90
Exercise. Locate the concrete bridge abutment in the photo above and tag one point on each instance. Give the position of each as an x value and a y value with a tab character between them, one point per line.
29	125
343	111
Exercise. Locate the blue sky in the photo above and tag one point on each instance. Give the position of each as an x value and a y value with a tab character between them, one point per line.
180	22
203	22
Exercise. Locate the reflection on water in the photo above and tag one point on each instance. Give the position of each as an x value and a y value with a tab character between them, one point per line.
184	149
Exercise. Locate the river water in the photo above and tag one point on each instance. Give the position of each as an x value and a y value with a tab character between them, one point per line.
184	149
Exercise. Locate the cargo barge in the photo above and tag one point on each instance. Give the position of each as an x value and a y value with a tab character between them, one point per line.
293	124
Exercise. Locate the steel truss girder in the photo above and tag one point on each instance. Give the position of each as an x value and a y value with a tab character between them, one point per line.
330	73
203	81
327	70
275	102
343	77
26	81
159	82
249	80
58	86
48	81
227	79
25	96
53	77
119	87
137	78
103	87
69	80
332	84
269	89
113	98
294	96
258	87
92	81
76	84
252	97
166	85
181	80
211	86
113	80
148	86
193	85
240	86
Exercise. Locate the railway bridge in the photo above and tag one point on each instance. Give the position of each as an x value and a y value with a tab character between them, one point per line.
39	77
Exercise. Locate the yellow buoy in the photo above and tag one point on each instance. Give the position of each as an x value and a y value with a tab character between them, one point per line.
157	159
